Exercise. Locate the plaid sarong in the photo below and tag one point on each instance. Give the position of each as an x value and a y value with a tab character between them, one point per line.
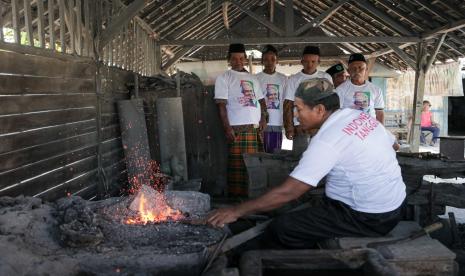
246	142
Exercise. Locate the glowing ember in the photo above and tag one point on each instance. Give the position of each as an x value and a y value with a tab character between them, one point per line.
151	207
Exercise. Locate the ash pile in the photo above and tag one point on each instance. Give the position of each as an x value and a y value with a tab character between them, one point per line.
78	237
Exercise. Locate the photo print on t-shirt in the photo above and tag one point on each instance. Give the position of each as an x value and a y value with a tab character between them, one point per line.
362	101
248	98
272	96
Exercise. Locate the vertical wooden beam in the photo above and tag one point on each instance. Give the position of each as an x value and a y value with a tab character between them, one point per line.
87	29
251	67
79	26
112	40
1	23
61	9
28	21
72	26
40	23
419	92
125	47
289	17
51	23
271	14
157	58
15	20
119	49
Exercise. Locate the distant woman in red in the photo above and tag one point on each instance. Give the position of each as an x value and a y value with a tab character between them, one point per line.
427	123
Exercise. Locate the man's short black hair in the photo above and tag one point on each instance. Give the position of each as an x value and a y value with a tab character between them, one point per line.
236	48
311	50
269	49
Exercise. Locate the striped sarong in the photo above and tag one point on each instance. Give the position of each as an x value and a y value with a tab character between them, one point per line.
246	142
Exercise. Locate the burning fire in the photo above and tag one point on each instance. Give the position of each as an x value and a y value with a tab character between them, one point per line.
151	207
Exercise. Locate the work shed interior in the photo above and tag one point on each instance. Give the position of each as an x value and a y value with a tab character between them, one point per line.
99	98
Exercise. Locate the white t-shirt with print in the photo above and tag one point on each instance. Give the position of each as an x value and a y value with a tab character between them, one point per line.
355	151
242	92
272	86
294	82
366	97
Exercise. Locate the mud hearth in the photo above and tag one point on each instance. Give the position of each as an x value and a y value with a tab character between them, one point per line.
74	236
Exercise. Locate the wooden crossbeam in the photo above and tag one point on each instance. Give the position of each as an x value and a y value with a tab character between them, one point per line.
432	57
296	40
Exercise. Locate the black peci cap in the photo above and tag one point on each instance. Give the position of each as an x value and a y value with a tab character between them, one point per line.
357	57
311	50
336	68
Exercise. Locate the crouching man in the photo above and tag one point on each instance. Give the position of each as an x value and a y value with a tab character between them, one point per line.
364	192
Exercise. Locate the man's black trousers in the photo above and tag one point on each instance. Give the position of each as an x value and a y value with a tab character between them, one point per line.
328	219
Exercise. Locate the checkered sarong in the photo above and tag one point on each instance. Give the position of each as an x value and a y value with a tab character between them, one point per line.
246	142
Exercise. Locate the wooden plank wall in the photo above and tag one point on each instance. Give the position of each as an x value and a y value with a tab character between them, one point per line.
48	131
69	26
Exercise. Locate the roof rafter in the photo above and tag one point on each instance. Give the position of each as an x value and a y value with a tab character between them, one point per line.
426	35
404	56
196	21
317	21
449	27
259	19
116	24
385	18
176	57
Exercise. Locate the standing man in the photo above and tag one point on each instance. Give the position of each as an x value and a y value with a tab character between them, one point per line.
338	73
360	94
310	61
272	85
243	113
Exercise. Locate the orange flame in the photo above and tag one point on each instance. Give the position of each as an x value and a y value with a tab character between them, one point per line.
161	213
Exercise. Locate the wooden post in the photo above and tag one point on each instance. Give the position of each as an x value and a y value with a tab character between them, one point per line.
15	20
61	7
251	69
72	26
51	23
419	92
40	23
79	27
28	21
87	27
1	23
157	58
